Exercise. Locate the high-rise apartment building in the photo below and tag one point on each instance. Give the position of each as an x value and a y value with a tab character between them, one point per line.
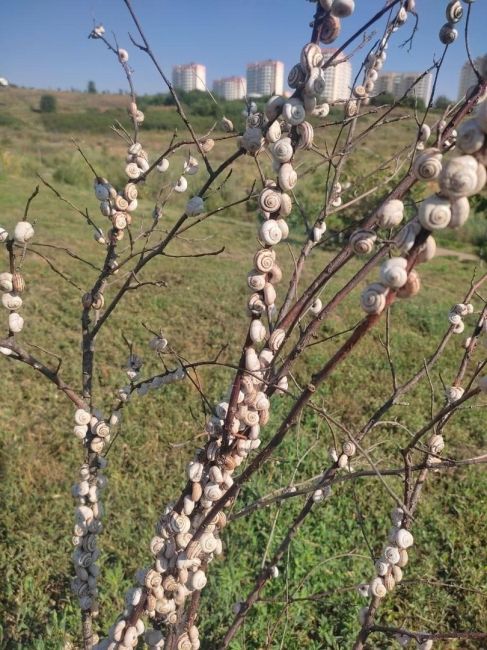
189	76
467	75
338	77
400	83
265	78
230	87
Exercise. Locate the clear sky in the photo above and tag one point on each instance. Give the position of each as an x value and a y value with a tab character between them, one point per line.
44	44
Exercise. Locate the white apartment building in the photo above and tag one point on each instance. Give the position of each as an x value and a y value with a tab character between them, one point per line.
338	77
189	76
265	78
400	83
230	88
467	75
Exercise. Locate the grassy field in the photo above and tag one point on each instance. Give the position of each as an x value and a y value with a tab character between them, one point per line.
201	310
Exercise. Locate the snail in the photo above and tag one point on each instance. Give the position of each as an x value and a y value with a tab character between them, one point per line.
393	272
460	177
454	11
195	206
3	235
226	125
133	171
428	165
283	150
454	393
470	137
206	145
273	107
448	34
269	294
311	56
377	588
181	185
256	280
276	339
403	538
264	260
23	232
123	57
316	83
163	166
362	241
252	140
411	287
296	76
11	301
342	8
190	166
426	251
286	205
15	322
390	214
270	200
305	135
283	227
287	177
373	298
293	112
436	443
273	132
6	282
391	554
270	233
330	29
316	307
434	213
424	133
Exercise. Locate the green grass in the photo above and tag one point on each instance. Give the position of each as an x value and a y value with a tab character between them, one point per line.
202	308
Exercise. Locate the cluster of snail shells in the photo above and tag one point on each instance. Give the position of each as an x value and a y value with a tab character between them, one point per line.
92	430
454	12
12	285
331	25
349	449
117	206
88	513
308	78
388	568
472	135
456	315
134	113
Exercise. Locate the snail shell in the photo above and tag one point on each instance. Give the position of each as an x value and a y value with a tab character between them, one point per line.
3	235
264	260
470	137
454	393
276	339
121	202
15	323
269	199
454	11
330	29
287	177
105	208
397	573
270	233
349	448
389	582
256	304
269	294
391	554
23	232
362	241
428	165
252	362
424	131
311	56
459	177
377	588
163	166
226	125
390	214
360	92
207	145
412	286
101	191
6	282
305	135
406	237
282	150
184	642
342	8
179	523
133	171
18	283
286	205
82	416
273	107
436	443
316	306
434	213
381	567
403	560
296	77
293	111
181	185
255	120
316	83
283	227
448	34
256	280
195	206
257	331
252	140
373	298
404	539
273	132
275	274
393	272
197	580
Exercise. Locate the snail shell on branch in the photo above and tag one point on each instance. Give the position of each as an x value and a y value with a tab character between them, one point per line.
15	323
448	34
377	588
454	11
426	251
273	107
226	125
428	165
133	171
276	339
264	260
373	298
293	111
390	214
195	206
23	232
273	132
282	150
270	233
362	241
436	443
256	280
287	177
404	539
459	177
393	272
342	8
270	199
470	137
252	140
11	301
305	135
207	145
460	210
163	166
6	282
181	185
311	56
405	238
286	205
434	213
412	286
296	76
330	29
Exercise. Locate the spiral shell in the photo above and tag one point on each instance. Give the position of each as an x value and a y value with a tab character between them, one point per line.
411	287
393	272
315	84
434	213
15	323
264	260
130	192
256	280
428	165
293	112
404	539
390	214
273	107
286	205
311	56
460	210
454	11
255	120
389	582
273	132
119	220
283	150
287	177
349	448
257	331
179	523
207	145
377	588
373	298
454	393
436	443
276	339
270	200
470	137
448	34
256	304
459	177
330	29
252	140
163	166
197	580
133	171
11	301
426	251
362	241
181	185
270	233
296	76
305	135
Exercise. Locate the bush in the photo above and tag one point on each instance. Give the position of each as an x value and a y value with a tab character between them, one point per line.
48	104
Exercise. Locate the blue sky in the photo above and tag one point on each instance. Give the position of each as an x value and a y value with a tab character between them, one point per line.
44	44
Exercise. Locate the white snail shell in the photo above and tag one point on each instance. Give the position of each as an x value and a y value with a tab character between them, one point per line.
362	241
470	137
391	554
311	56
316	306
195	471
403	538
276	339
294	112
427	166
411	287
195	206
454	11
283	227
15	322
454	393
270	233
269	294
424	132
296	76
133	171
197	580
434	213
6	282
436	443
282	150
405	238
3	235
163	166
373	298
11	301
393	272
426	251
448	34
181	185
390	214
23	232
256	280
252	140
273	132
286	205
270	200
287	177
273	107
226	125
377	588
460	210
459	177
